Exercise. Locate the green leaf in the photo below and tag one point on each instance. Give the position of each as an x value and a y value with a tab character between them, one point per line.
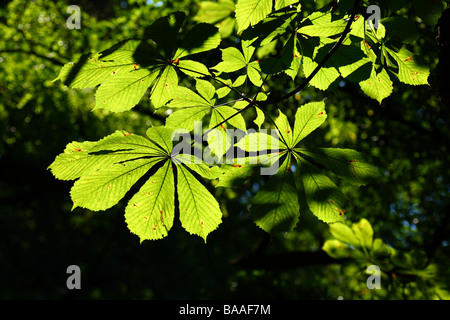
279	4
351	62
80	158
165	30
347	164
378	86
326	75
322	25
74	161
89	71
122	142
219	13
268	30
193	68
184	98
202	37
337	249
162	137
324	198
92	69
359	235
260	118
107	169
104	188
275	207
150	212
409	71
233	60
164	87
259	141
364	233
214	12
253	73
220	113
307	119
206	90
345	234
186	118
123	91
250	12
199	166
282	124
219	141
199	211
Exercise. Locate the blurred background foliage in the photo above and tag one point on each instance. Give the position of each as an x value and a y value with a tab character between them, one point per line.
406	137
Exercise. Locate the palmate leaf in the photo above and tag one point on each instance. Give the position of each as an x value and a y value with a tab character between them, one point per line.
196	106
128	69
234	60
323	198
107	169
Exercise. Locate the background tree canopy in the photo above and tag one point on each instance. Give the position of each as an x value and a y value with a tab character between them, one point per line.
399	221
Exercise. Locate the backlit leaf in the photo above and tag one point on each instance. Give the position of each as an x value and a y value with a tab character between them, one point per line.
275	207
199	211
150	212
250	12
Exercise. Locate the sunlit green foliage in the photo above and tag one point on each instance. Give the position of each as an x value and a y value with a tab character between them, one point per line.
378	102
